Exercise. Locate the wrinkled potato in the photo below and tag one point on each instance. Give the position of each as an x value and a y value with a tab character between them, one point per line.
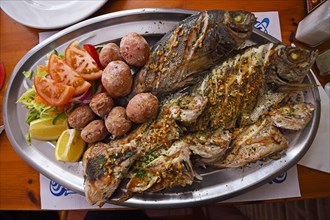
110	52
117	79
134	49
94	131
80	117
117	121
142	107
101	104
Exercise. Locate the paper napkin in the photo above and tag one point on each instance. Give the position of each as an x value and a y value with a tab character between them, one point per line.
318	155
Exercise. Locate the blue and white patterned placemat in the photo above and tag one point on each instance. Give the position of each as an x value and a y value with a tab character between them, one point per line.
56	197
269	23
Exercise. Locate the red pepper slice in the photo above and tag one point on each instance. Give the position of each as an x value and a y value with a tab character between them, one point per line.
2	75
94	54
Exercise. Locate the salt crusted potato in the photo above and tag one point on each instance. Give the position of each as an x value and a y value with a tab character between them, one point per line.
117	121
142	107
101	104
109	52
80	117
117	79
94	131
134	49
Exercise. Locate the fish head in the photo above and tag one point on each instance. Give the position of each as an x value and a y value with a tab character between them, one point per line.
240	23
291	64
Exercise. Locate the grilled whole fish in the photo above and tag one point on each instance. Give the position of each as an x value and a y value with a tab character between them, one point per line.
239	90
193	46
211	121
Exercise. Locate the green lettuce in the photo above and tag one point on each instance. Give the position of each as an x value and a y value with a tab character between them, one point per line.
36	109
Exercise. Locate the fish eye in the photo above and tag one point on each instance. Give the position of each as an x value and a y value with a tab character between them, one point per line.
294	56
238	17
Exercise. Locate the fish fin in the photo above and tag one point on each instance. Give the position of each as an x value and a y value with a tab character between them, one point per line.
293	87
123	197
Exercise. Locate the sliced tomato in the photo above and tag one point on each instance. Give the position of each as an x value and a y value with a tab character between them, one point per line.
54	93
80	60
62	72
94	54
40	100
58	110
42	68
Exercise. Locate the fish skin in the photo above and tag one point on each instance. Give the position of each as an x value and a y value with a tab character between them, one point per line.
171	127
193	46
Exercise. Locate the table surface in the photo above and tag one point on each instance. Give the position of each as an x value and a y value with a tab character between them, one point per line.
19	182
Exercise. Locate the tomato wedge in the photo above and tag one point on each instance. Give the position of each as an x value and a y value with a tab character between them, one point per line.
94	54
62	72
54	93
80	60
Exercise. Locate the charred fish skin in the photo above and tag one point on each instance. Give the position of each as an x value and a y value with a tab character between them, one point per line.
191	48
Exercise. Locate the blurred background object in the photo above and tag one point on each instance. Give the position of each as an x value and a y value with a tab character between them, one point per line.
313	4
323	62
50	14
314	29
327	89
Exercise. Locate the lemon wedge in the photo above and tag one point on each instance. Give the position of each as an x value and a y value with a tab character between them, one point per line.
70	146
45	130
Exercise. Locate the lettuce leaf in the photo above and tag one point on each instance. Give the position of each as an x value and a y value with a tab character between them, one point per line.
36	109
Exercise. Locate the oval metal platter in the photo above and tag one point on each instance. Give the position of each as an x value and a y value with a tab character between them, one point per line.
216	185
